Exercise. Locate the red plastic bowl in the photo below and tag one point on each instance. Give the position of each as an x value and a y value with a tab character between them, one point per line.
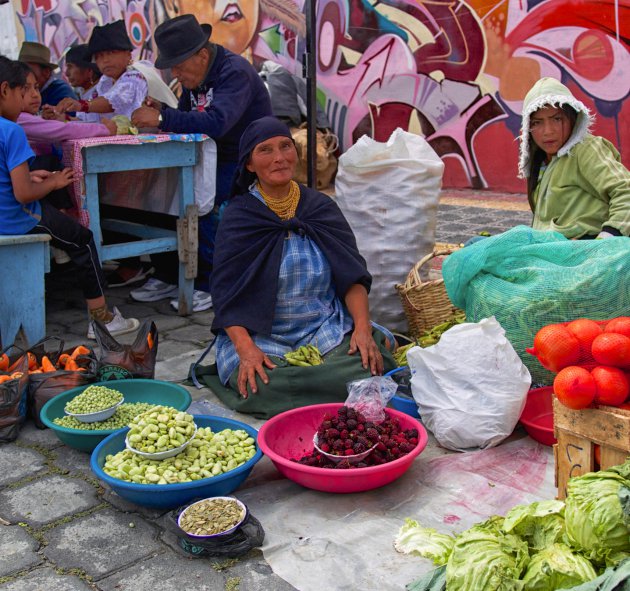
290	435
537	416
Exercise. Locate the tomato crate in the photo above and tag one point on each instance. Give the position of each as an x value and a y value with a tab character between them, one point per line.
579	431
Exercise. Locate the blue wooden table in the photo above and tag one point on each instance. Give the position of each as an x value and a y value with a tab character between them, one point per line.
104	158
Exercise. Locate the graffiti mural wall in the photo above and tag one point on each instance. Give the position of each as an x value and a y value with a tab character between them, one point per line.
452	70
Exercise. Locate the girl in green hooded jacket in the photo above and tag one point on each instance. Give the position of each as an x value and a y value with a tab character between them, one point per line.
576	183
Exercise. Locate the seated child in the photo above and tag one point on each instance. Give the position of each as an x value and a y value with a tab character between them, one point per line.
43	134
124	85
84	75
22	212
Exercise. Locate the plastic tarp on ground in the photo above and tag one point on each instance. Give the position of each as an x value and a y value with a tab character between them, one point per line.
317	540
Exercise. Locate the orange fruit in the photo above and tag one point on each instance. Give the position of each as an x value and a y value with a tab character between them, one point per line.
585	331
619	325
612	385
555	347
575	387
610	348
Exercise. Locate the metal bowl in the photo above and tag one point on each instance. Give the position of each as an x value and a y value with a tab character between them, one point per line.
160	455
353	459
93	417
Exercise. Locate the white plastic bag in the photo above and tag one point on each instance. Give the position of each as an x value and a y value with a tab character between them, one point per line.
389	194
470	387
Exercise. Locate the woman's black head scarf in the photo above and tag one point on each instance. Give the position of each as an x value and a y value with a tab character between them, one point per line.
256	132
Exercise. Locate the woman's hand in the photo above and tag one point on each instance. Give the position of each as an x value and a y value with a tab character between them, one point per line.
252	362
67	104
111	125
363	342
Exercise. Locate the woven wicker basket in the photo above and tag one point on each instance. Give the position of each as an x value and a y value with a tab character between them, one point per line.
425	303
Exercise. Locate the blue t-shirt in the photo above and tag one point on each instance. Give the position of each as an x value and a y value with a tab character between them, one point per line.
15	217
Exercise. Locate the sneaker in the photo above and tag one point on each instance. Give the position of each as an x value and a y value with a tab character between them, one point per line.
201	301
154	290
117	325
128	276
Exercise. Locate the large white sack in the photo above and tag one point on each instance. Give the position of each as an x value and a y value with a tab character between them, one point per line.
389	193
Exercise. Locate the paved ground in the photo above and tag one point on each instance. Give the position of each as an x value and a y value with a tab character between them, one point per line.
61	530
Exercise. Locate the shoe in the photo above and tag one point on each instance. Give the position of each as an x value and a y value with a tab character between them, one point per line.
61	256
117	325
128	276
201	301
153	291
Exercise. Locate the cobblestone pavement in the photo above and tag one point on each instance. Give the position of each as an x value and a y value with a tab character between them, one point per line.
61	530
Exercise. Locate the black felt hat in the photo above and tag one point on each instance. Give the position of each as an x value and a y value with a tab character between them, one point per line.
178	39
110	37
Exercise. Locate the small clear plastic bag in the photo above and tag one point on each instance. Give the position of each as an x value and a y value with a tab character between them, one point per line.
370	396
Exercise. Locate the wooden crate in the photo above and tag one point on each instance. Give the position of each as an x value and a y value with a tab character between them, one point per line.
578	431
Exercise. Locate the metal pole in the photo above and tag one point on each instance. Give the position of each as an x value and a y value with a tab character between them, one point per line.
310	73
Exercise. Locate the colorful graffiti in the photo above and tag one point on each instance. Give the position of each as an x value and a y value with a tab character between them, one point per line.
454	70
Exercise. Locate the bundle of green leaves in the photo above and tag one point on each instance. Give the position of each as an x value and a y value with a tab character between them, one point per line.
543	546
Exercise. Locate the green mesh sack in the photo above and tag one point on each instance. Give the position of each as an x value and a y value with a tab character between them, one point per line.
528	279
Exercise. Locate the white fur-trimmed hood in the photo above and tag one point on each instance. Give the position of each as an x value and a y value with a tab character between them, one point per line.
550	92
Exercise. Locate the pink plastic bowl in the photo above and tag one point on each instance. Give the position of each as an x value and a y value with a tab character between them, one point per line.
537	416
290	435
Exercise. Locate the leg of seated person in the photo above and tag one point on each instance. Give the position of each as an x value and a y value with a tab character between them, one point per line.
78	242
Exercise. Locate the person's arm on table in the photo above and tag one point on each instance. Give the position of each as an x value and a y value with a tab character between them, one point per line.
252	360
230	102
356	299
53	131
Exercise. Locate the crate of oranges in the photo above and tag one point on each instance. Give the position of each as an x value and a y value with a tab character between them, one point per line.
591	393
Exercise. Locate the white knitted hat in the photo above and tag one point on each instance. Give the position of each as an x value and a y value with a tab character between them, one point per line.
549	92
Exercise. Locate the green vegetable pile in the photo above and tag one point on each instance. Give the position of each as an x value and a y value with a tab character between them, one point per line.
544	546
428	338
93	399
160	429
209	454
121	418
305	356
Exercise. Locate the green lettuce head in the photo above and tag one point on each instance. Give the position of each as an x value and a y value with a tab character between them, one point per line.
557	567
540	524
424	541
596	520
484	558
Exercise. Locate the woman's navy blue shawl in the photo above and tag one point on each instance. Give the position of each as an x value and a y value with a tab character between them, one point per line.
248	253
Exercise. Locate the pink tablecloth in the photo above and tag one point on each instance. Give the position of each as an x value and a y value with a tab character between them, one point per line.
72	157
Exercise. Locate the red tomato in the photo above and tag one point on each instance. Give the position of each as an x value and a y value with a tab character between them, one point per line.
575	387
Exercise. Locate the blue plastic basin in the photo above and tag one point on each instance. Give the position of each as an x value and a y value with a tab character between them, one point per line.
406	405
150	391
168	496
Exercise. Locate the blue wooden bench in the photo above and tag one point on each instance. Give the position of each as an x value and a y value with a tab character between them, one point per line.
24	261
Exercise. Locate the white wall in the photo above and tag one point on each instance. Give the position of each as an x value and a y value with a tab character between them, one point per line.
8	34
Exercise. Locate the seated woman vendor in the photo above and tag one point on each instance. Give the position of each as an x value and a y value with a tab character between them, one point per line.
576	183
287	273
124	84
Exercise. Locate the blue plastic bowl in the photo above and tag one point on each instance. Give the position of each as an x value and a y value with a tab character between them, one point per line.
406	405
150	391
168	496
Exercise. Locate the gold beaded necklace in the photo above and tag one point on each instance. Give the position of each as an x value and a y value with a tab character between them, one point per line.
285	207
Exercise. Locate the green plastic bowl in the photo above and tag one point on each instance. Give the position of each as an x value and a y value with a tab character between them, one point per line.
150	391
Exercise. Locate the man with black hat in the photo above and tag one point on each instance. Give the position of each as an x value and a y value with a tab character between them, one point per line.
52	89
222	95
